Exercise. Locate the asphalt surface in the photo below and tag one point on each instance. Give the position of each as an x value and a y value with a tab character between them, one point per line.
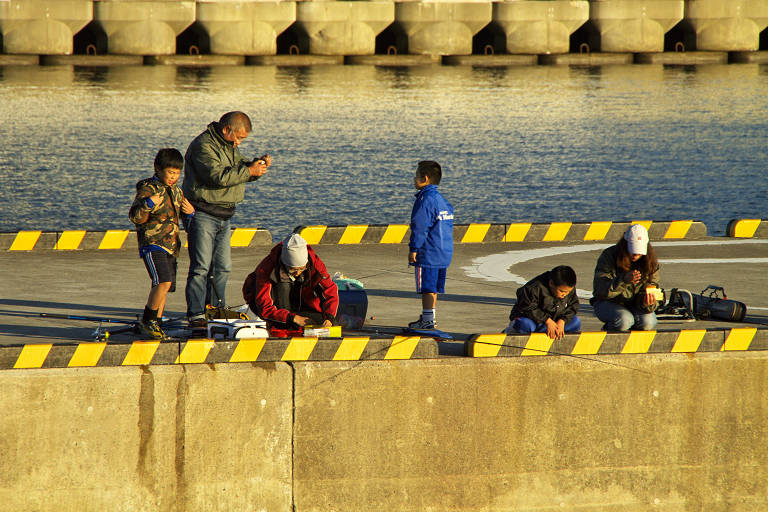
480	288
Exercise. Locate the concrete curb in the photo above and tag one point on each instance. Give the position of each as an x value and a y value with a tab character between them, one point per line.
199	351
635	342
108	240
521	232
748	228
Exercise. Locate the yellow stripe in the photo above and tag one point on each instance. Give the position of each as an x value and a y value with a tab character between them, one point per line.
488	345
69	240
195	351
538	345
87	354
33	356
739	339
557	231
598	230
353	234
350	349
517	232
588	343
25	240
475	233
402	347
299	349
645	223
689	340
678	229
241	237
638	342
394	234
114	239
247	350
745	228
141	352
313	234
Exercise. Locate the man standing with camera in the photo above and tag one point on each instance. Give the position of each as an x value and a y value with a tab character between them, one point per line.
215	174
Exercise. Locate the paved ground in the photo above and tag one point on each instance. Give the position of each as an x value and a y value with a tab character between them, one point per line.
480	290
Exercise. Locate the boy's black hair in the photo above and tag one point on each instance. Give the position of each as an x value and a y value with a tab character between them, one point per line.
563	275
168	157
431	170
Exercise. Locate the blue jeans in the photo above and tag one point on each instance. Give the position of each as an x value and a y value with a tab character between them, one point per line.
619	318
525	325
210	262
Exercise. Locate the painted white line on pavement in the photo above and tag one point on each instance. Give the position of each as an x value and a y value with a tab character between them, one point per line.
497	267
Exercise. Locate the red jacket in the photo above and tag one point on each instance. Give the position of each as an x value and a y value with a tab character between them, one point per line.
319	293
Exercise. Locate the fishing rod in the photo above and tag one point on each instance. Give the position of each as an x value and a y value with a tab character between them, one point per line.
87	318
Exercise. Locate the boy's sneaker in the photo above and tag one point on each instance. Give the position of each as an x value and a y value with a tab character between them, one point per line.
151	329
422	324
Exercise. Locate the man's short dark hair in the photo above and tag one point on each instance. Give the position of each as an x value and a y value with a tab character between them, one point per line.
236	121
563	275
168	157
431	170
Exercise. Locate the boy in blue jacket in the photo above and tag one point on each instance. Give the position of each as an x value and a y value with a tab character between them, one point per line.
431	243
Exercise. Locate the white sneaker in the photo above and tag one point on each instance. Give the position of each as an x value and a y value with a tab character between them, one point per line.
422	324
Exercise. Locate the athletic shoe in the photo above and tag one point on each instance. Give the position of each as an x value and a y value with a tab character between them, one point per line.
422	324
151	329
197	322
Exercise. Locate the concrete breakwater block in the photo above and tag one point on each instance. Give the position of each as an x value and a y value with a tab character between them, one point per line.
490	61
520	232
91	60
634	26
682	58
635	342
392	60
748	228
587	59
208	351
42	27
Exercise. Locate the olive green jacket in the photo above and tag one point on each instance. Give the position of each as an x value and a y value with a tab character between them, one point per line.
214	170
609	283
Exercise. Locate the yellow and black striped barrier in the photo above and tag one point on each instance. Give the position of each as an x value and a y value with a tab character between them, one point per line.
748	228
107	240
198	351
520	232
635	342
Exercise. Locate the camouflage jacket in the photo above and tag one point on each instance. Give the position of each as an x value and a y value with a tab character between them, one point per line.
159	225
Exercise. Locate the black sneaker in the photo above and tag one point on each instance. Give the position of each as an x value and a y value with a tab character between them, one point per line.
151	329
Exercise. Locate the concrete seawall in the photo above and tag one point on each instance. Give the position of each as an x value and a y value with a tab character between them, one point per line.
624	432
217	28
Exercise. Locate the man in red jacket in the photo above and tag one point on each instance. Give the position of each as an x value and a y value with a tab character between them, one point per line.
291	288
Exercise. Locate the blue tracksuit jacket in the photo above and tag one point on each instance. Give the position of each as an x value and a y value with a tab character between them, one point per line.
432	229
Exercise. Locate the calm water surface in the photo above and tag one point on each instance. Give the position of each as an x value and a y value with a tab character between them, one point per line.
532	144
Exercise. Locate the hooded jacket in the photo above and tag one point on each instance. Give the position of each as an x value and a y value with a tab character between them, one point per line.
214	170
318	293
609	284
535	301
431	229
158	225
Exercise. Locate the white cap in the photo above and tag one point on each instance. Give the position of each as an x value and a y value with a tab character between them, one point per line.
637	239
294	251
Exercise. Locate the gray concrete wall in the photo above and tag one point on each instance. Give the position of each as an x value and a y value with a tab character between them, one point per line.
631	433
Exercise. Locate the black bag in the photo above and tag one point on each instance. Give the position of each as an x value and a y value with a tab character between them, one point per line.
712	303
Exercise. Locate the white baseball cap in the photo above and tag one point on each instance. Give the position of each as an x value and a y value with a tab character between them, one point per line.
637	239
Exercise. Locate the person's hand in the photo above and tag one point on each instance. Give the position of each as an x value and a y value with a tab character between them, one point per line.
650	296
299	320
186	207
560	328
554	330
260	165
412	258
157	199
633	277
327	323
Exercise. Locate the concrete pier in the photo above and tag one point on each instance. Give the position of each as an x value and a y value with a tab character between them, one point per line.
143	27
540	27
237	28
42	27
631	26
442	28
727	26
343	28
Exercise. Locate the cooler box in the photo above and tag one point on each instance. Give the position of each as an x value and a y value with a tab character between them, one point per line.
353	306
237	328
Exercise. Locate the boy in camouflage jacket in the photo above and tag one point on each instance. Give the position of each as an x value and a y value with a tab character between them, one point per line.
155	212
